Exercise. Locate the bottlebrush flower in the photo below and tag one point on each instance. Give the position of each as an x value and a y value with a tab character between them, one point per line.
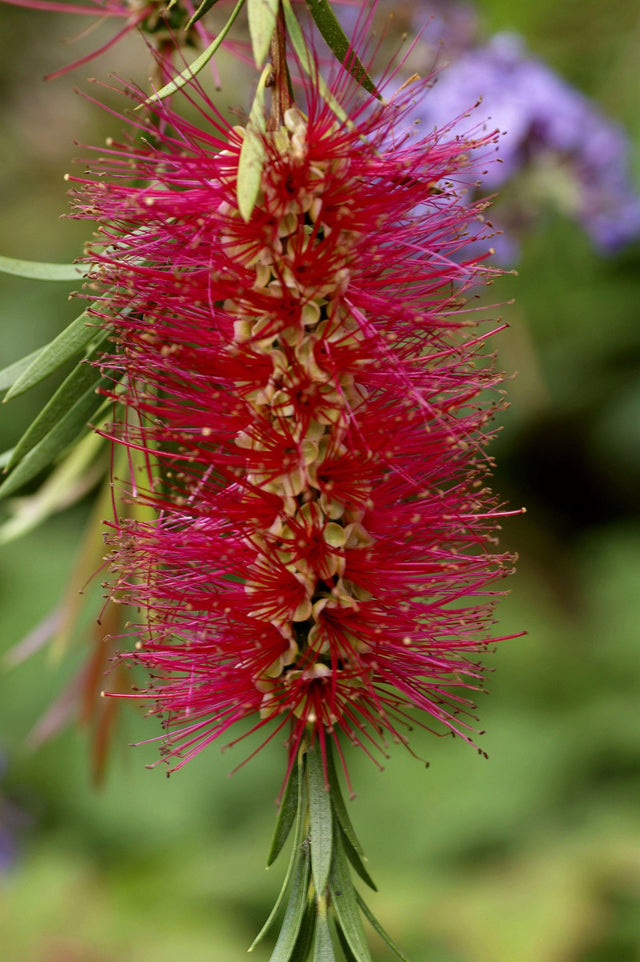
306	402
152	17
134	14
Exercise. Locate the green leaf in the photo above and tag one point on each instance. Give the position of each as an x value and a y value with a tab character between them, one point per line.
384	935
194	68
5	457
295	854
252	152
9	375
69	343
320	820
54	443
286	816
356	860
90	552
39	271
204	7
294	915
307	929
308	64
68	482
346	906
339	808
323	950
344	945
262	16
80	380
337	41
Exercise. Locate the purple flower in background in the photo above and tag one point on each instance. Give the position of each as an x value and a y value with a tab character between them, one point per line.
452	26
578	156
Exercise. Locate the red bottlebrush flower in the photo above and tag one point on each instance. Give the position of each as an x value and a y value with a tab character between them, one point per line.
133	13
309	399
150	16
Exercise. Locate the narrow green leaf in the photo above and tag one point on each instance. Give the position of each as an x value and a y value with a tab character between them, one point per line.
295	854
292	921
347	952
252	152
339	807
320	820
200	12
384	935
68	482
286	816
89	555
323	950
307	929
9	375
356	860
262	16
54	443
279	901
5	457
79	381
39	271
69	343
344	901
329	26
308	64
194	68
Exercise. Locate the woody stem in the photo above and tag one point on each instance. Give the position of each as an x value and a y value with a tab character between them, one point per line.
281	94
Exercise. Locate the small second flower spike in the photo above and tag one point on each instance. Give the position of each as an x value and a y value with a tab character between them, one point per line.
305	401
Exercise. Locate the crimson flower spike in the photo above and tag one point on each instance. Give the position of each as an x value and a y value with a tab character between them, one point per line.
305	398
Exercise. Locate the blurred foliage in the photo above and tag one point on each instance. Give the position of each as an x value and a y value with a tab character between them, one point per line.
533	856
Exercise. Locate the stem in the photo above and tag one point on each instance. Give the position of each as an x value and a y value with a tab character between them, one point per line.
161	69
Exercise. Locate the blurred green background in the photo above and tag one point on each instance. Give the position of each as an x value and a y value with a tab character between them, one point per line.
531	856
